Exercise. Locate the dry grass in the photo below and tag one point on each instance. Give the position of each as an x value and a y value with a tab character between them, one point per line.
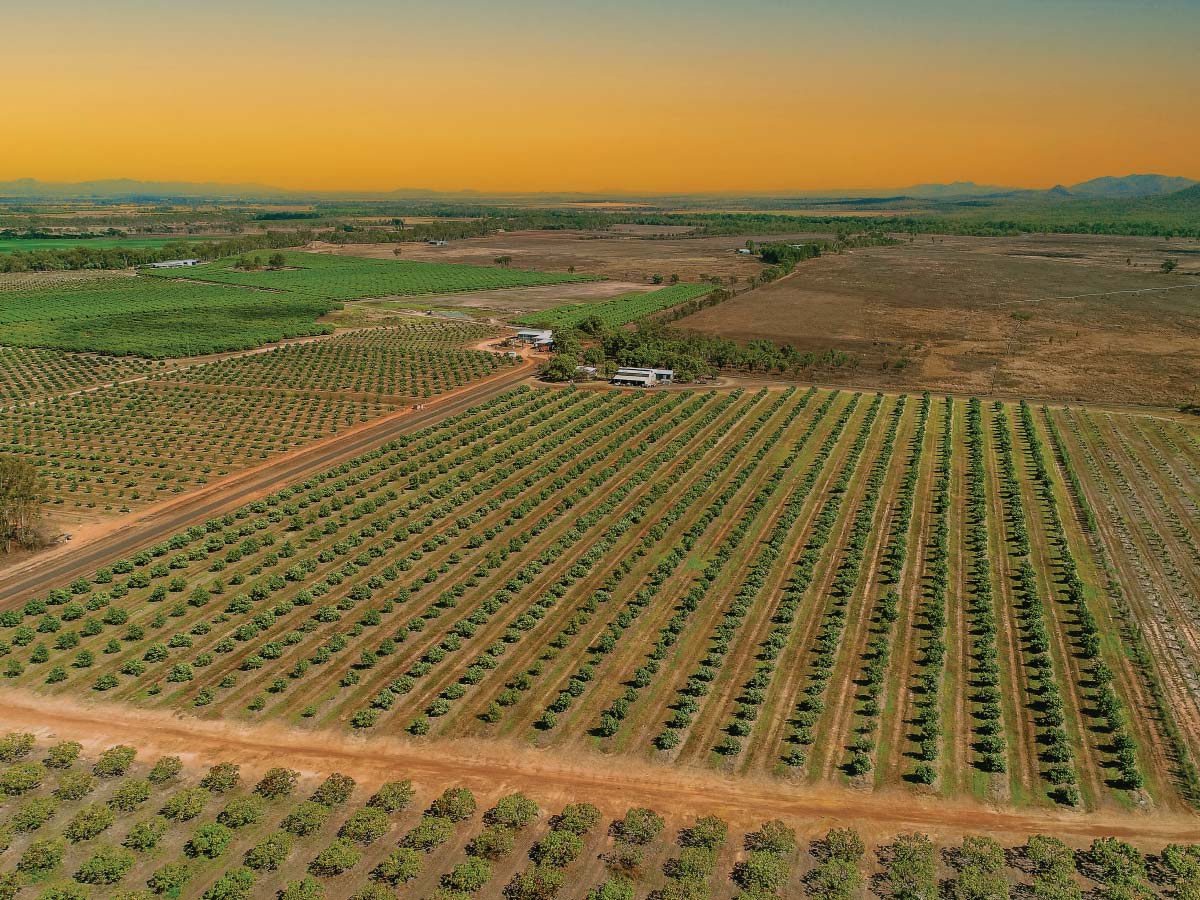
1054	317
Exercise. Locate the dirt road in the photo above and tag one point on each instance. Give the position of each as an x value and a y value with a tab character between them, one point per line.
494	767
124	536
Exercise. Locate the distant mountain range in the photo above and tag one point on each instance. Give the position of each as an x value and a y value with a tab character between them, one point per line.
1128	187
1109	187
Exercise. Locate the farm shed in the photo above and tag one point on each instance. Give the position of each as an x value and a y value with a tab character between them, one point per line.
174	263
535	336
633	377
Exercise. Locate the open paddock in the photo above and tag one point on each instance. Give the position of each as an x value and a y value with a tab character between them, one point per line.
1059	317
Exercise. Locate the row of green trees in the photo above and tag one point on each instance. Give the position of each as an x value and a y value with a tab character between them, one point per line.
653	665
691	356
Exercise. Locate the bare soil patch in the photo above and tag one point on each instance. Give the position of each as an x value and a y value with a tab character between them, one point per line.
1061	317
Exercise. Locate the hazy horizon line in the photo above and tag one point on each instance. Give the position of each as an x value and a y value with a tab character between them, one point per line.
885	191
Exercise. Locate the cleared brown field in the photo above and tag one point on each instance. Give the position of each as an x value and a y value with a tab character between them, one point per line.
1061	317
620	256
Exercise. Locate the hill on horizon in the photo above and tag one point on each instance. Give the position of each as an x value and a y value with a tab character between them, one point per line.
1111	186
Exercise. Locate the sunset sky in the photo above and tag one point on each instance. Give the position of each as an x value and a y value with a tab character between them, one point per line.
634	95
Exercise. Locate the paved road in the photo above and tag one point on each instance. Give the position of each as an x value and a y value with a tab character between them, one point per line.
67	563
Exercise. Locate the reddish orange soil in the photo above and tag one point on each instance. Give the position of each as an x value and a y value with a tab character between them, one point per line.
493	768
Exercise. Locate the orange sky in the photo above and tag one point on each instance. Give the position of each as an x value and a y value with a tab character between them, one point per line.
675	95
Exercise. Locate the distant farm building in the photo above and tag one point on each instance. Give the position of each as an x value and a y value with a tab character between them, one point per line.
631	377
432	243
538	337
174	263
586	371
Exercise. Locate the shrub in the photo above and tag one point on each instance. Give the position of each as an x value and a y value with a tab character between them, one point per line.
535	883
640	826
304	889
170	879
40	857
33	814
107	865
578	818
21	777
208	841
772	837
334	790
221	778
165	769
492	842
557	848
15	746
268	854
365	826
235	884
513	811
334	859
185	805
114	761
131	794
306	818
469	876
75	786
62	756
393	796
242	811
455	804
277	782
88	822
430	832
399	867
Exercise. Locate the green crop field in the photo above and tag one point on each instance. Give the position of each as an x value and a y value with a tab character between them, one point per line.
150	317
28	373
413	361
617	311
352	278
214	308
126	445
171	430
9	245
719	579
118	823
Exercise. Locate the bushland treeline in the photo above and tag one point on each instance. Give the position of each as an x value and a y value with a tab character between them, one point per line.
456	223
692	356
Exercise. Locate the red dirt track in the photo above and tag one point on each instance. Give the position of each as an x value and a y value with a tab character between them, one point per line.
492	768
